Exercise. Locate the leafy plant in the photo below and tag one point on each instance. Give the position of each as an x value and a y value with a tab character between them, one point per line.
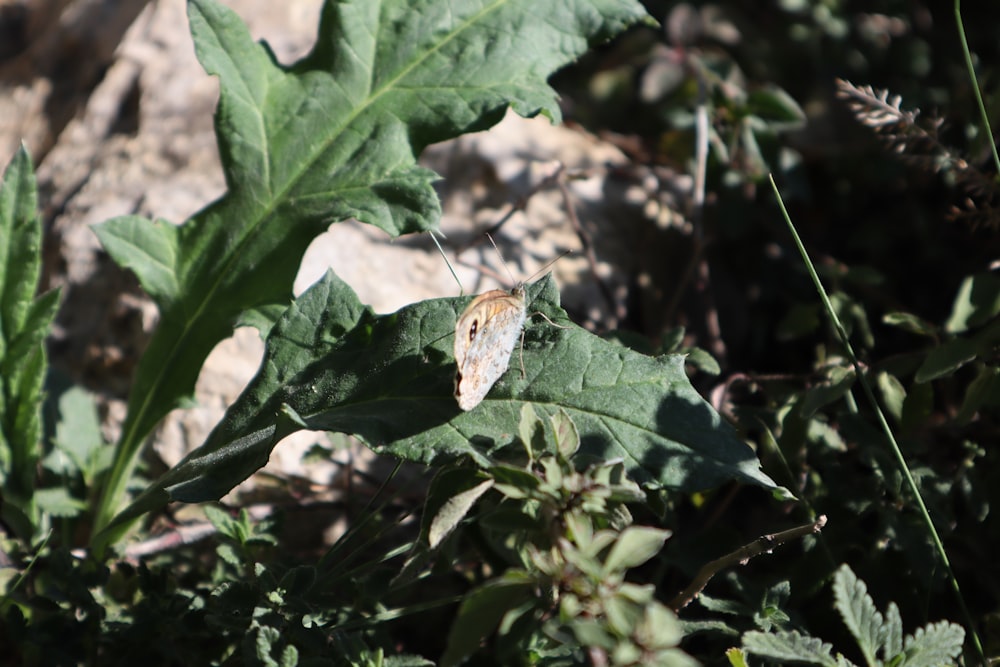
24	324
568	534
332	365
397	389
880	636
332	137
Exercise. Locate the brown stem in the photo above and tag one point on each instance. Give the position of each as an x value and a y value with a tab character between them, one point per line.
765	543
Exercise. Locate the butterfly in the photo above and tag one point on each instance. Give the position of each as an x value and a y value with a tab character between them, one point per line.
485	335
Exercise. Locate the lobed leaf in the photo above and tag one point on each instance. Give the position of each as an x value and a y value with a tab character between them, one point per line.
935	645
789	646
892	633
331	364
859	613
332	137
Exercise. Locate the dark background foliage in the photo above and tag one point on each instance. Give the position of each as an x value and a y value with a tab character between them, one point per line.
887	230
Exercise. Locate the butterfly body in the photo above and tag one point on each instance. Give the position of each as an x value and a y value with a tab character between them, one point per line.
485	336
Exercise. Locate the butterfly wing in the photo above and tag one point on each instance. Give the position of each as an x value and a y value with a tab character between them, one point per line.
485	336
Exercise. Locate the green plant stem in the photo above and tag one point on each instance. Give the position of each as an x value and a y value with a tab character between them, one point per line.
975	83
870	395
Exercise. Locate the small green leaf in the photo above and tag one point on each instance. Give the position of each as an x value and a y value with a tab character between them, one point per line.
702	360
579	527
566	436
893	394
623	615
977	302
20	244
934	645
453	511
480	614
590	632
149	250
635	546
789	646
892	633
911	323
531	431
58	502
514	482
917	406
775	106
838	382
858	611
946	358
289	656
983	391
659	627
404	661
267	638
78	433
737	657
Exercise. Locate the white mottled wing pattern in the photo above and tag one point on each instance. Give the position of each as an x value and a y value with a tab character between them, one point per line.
485	336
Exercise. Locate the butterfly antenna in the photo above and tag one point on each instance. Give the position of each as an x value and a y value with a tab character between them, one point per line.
533	275
461	290
542	270
500	255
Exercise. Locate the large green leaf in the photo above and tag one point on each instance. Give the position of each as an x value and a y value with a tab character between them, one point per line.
332	137
331	364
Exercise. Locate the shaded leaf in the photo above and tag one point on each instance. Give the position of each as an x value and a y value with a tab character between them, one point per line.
838	382
946	358
775	106
982	391
917	405
977	302
893	394
480	614
911	323
453	511
388	379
